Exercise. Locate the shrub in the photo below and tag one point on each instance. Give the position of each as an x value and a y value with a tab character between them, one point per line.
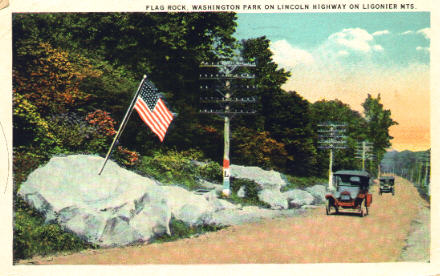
251	190
295	182
173	167
180	230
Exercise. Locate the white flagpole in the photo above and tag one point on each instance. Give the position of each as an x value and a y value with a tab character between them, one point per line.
123	123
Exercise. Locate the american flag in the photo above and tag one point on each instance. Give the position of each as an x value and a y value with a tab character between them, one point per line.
152	109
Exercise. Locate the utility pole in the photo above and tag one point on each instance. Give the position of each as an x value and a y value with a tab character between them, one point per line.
331	136
364	152
226	106
425	166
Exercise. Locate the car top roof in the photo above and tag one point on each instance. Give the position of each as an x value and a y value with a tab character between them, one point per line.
386	177
353	173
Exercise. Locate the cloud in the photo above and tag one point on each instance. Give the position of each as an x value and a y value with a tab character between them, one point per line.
377	48
353	39
422	49
378	33
287	56
354	43
426	32
407	33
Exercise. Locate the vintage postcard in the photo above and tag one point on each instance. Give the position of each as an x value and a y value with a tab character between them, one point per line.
205	137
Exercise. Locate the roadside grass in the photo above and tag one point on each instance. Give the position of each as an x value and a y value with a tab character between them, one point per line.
297	182
179	230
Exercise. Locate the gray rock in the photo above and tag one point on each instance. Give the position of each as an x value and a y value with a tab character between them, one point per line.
274	198
318	192
248	214
241	192
209	185
218	204
117	207
309	207
298	198
266	179
192	209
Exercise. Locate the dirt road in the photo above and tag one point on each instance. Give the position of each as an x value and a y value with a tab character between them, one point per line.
311	238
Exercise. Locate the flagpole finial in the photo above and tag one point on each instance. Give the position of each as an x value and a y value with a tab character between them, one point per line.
145	76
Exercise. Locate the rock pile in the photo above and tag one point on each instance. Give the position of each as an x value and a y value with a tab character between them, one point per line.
120	207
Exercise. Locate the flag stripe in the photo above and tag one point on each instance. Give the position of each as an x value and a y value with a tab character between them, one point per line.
159	118
147	121
153	122
165	110
153	110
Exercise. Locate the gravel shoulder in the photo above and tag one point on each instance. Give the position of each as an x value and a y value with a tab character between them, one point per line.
418	242
311	237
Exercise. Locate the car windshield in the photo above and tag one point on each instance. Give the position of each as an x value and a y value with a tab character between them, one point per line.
350	180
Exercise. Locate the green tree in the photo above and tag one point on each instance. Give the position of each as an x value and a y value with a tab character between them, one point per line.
378	124
337	111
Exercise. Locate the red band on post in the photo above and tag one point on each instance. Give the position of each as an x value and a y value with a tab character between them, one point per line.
225	164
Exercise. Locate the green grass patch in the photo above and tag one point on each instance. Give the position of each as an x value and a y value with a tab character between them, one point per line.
32	236
296	182
179	230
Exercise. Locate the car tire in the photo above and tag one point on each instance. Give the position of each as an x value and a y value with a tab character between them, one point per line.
327	208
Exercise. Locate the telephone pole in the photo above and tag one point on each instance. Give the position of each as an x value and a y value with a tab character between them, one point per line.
364	152
222	82
331	136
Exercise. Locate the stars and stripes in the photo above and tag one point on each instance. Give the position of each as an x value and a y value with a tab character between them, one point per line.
152	109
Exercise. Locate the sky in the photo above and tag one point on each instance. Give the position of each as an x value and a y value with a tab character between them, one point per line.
347	56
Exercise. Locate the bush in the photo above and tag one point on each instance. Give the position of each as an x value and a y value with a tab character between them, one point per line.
295	182
180	230
173	167
251	190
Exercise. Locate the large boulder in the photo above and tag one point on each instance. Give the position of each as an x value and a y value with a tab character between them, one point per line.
265	179
318	192
209	185
298	198
117	207
188	207
274	198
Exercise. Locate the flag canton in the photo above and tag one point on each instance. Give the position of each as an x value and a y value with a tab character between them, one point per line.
148	94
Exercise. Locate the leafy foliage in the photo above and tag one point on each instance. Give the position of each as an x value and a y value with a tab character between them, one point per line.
258	149
173	167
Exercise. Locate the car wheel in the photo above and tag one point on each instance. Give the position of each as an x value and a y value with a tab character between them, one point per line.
327	208
392	191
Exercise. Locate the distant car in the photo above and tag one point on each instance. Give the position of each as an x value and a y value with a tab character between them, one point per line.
351	192
386	184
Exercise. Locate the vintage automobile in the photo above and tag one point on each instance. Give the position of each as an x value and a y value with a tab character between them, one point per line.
386	184
351	192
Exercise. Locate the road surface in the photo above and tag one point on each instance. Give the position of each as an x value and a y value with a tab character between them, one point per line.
310	238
